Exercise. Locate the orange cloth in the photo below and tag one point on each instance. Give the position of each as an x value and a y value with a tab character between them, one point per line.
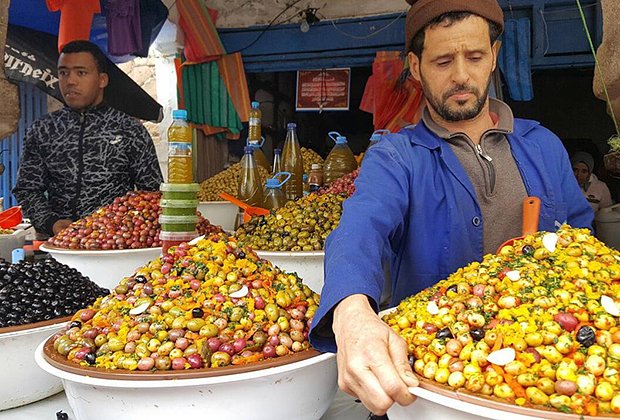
202	42
393	106
76	18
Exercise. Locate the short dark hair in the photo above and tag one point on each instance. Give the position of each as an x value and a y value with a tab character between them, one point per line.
89	47
417	42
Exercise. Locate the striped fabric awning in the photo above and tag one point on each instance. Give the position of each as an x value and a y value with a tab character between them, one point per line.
202	42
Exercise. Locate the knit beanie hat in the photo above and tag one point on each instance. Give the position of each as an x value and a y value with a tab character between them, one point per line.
583	157
424	11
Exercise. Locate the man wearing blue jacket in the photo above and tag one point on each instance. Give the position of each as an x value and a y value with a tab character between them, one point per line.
433	198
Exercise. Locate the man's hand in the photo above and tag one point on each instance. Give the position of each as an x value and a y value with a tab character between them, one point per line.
60	225
372	359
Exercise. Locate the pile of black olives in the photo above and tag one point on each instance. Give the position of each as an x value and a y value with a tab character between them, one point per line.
301	225
42	290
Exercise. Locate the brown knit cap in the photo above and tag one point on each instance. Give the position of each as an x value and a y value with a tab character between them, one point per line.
423	11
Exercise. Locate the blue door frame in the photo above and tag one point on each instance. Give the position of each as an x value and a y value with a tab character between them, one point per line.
558	38
33	105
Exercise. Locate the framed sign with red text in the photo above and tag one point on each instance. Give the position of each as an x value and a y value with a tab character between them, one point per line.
323	90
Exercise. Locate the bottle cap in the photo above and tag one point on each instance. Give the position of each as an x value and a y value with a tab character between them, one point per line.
291	126
272	183
316	166
304	177
378	134
277	151
248	150
275	182
179	114
255	104
337	137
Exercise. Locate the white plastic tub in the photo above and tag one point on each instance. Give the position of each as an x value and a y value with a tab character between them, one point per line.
221	213
301	390
307	264
23	381
12	241
104	267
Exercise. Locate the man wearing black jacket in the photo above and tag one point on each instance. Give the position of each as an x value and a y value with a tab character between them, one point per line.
81	157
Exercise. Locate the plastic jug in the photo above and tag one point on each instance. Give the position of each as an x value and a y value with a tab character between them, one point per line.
340	160
254	129
293	162
250	186
274	196
180	167
608	225
259	156
375	137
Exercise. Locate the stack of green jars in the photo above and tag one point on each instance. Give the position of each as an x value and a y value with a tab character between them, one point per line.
178	218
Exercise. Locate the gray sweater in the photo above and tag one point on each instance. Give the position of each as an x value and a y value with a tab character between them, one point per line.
493	173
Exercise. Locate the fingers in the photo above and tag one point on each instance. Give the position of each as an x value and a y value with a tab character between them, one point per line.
390	372
400	356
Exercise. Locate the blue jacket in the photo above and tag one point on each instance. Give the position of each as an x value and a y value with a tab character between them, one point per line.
415	207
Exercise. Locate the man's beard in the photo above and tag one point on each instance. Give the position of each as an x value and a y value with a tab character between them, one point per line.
442	108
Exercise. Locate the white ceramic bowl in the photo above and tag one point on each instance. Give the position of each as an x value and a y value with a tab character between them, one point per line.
24	381
106	267
222	213
298	390
307	264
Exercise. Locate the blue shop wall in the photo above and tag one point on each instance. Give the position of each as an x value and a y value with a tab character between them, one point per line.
557	38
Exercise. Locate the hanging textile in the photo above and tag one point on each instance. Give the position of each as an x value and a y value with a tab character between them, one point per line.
153	15
123	23
394	103
514	59
215	95
202	42
76	18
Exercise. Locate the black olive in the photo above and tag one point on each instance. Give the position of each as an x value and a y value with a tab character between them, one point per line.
452	288
527	250
140	279
241	254
90	358
586	336
197	313
444	333
477	334
411	360
62	416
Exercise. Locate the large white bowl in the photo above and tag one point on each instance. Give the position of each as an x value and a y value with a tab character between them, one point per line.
307	264
299	390
104	267
222	213
24	381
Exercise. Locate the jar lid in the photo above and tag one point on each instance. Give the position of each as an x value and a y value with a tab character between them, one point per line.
168	187
179	114
316	166
192	218
184	204
177	236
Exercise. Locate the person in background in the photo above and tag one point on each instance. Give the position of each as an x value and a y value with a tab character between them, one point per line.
596	191
82	156
433	198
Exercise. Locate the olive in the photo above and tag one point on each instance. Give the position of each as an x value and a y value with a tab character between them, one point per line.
140	279
444	333
197	313
411	360
74	324
477	334
452	288
90	358
61	415
585	336
527	250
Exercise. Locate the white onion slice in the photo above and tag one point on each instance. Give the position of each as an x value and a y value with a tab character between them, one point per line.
610	306
513	275
195	240
549	241
140	308
502	357
240	293
432	308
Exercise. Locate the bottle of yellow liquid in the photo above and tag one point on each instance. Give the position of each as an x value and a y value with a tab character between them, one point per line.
254	131
277	161
180	168
250	185
340	160
259	156
274	196
293	162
